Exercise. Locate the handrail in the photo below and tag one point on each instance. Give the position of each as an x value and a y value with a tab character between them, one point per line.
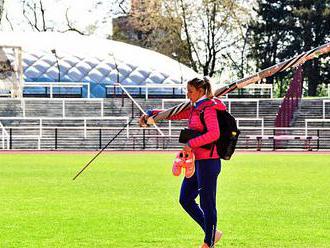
323	106
229	100
256	86
41	119
238	120
4	133
150	86
51	85
65	118
247	134
178	86
313	120
139	107
63	100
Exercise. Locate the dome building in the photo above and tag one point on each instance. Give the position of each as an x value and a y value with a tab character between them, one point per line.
70	57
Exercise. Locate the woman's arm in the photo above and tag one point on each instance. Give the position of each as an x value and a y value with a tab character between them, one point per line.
144	119
182	115
212	126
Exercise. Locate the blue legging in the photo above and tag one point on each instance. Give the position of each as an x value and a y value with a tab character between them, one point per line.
204	184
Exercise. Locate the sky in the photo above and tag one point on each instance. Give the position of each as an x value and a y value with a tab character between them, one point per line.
82	13
93	17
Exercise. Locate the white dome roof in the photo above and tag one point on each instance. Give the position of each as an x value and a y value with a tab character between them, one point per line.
94	60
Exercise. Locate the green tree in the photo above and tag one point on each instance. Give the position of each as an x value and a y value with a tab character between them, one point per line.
271	31
283	29
313	19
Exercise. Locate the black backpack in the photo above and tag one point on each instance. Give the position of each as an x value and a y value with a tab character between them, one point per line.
229	133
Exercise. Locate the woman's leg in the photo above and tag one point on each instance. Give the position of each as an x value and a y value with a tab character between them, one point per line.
188	194
207	175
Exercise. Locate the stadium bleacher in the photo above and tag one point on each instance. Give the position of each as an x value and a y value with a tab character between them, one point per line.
89	123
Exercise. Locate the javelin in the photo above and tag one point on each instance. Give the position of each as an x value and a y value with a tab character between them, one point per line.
241	83
101	150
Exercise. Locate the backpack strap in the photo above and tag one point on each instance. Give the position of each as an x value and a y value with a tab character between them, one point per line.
201	117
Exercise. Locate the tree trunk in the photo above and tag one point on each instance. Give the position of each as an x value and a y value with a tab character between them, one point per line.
1	9
312	72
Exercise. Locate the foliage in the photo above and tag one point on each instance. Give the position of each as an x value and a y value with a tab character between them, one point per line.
283	29
146	25
210	28
198	33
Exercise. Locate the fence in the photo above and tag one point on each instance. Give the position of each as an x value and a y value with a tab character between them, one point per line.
250	138
229	102
53	85
63	101
307	121
179	91
148	90
4	136
324	105
138	106
40	126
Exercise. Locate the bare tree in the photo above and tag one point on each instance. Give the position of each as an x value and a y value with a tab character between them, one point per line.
237	57
145	25
70	25
34	13
2	2
210	28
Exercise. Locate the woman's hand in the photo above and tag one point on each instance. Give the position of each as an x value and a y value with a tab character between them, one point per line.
187	148
146	120
143	120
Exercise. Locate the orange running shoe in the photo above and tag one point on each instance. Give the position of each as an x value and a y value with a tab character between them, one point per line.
217	237
189	164
178	164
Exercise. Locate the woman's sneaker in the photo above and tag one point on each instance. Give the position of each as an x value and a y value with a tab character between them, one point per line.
177	164
189	164
217	237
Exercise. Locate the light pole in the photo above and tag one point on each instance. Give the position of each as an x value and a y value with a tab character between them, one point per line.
175	55
58	65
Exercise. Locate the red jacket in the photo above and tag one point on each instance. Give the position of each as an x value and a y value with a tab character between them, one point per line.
210	116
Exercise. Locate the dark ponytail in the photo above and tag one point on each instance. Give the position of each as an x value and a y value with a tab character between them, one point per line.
204	84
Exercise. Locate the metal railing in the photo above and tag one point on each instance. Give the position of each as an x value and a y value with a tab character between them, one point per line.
138	106
252	89
5	136
315	121
41	127
238	122
225	100
323	106
142	139
63	101
52	85
145	89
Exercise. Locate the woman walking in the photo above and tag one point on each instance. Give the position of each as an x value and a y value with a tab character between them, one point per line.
207	161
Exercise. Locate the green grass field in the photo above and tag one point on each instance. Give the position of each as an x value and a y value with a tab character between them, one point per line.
131	200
